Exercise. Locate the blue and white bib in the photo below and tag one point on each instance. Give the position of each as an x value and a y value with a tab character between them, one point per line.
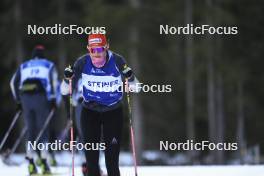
102	85
38	69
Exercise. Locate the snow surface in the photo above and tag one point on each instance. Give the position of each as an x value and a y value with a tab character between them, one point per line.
65	170
153	171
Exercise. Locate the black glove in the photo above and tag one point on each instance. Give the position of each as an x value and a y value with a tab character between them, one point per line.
127	72
68	72
18	107
53	104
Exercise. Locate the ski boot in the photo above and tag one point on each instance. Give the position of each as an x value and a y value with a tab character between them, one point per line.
45	169
53	161
84	169
38	162
32	169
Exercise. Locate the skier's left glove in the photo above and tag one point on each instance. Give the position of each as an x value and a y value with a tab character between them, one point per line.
18	107
127	72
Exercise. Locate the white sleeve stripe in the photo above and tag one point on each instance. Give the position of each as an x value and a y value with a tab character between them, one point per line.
12	85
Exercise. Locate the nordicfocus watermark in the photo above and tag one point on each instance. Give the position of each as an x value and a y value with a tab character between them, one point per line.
191	29
58	29
116	86
191	145
58	146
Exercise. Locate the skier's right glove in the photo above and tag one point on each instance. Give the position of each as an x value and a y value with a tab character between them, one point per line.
18	107
68	72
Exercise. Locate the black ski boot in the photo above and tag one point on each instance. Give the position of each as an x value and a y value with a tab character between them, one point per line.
84	169
45	169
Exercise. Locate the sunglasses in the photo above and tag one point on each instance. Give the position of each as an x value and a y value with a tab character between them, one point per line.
97	50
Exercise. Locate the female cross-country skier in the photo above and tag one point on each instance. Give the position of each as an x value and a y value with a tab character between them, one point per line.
102	72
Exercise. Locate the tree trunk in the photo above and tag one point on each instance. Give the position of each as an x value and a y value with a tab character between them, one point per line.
19	39
19	54
189	79
220	118
211	83
61	54
61	40
136	110
241	122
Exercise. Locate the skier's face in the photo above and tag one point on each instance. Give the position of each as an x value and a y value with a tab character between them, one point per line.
98	55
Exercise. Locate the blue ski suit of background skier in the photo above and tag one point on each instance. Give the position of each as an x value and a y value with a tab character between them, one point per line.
34	87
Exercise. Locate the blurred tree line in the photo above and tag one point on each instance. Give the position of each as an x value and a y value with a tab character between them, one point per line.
217	81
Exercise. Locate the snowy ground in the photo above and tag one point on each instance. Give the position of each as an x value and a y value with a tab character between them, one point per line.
156	171
65	170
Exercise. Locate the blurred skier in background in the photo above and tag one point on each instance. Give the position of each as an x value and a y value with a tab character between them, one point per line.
34	87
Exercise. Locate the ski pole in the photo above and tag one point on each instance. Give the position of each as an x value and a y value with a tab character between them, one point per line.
71	119
10	128
19	139
45	125
131	129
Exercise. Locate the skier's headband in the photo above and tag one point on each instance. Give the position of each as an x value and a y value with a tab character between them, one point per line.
97	40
